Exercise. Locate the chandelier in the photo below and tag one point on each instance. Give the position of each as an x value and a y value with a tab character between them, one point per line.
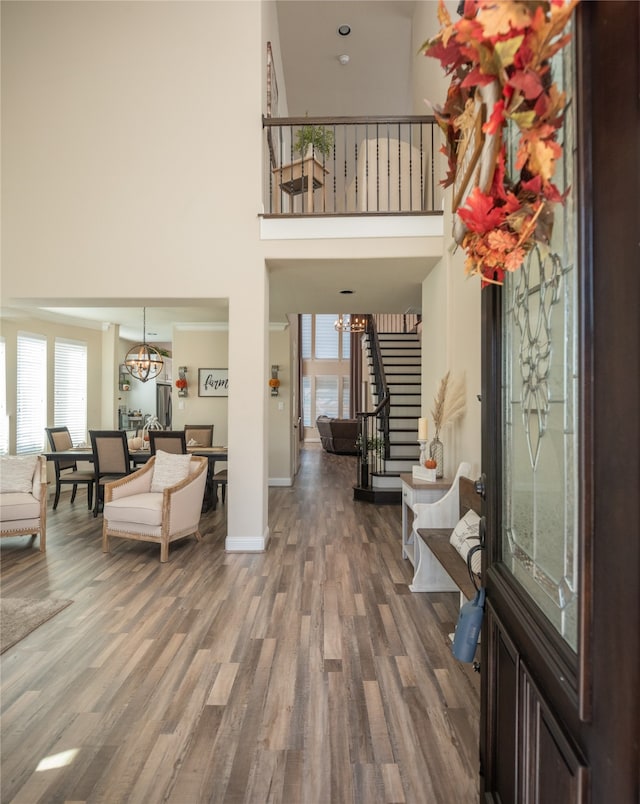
144	361
351	323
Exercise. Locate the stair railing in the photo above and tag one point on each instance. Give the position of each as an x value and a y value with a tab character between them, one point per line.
359	166
373	426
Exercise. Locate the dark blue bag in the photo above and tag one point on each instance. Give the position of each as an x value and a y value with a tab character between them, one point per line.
467	633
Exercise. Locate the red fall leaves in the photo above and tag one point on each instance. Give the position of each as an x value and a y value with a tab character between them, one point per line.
509	42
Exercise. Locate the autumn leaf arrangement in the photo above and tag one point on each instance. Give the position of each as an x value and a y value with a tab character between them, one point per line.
509	43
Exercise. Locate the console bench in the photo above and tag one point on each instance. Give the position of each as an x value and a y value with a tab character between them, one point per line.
433	543
417	491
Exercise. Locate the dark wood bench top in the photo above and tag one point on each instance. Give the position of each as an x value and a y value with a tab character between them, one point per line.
437	540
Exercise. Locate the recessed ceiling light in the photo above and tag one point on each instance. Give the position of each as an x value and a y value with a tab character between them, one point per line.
344	30
347	292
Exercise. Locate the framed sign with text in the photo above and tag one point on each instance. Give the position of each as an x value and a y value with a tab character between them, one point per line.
213	382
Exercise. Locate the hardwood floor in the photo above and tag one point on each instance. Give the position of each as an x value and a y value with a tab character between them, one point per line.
307	674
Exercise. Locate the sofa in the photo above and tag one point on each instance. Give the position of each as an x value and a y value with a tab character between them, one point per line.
338	435
23	496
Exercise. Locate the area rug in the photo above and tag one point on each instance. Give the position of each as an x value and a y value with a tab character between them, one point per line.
20	616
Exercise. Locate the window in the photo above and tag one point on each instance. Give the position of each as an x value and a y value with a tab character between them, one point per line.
306	402
70	406
31	393
326	396
345	396
326	338
4	419
321	341
325	369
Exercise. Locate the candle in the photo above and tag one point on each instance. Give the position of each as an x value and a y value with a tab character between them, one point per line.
422	429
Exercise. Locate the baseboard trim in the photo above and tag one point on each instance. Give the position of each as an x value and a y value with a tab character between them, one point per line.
281	481
377	496
248	544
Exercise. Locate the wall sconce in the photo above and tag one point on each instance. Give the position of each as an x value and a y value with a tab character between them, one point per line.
181	383
274	382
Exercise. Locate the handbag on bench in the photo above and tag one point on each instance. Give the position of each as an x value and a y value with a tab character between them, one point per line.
465	640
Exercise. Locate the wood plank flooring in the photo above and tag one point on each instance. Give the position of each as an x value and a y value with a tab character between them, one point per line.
309	674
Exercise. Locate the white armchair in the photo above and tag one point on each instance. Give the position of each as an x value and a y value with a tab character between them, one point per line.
23	497
133	511
429	576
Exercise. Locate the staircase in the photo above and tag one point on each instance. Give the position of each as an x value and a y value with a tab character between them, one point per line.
401	360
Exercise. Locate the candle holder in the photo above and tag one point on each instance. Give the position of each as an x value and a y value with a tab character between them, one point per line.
420	472
424	453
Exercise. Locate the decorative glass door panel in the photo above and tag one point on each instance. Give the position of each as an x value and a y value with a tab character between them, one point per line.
540	409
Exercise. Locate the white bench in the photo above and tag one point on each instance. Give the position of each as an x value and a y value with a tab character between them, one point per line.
439	566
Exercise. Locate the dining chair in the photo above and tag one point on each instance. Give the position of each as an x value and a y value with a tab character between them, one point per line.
111	460
220	479
67	472
173	441
202	434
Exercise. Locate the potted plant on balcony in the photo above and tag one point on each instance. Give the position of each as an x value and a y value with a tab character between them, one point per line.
311	140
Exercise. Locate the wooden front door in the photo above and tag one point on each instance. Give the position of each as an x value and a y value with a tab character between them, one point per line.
561	650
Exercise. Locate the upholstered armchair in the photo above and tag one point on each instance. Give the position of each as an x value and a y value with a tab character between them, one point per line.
23	496
159	503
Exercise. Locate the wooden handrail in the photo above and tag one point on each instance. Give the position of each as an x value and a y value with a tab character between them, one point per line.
370	451
343	121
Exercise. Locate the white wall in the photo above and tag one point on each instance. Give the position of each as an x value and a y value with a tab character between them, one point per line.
450	301
129	155
451	342
281	470
117	124
202	348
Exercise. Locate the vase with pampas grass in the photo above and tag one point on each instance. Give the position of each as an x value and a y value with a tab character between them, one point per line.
448	406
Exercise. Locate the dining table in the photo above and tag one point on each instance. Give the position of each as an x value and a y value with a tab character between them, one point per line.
141	456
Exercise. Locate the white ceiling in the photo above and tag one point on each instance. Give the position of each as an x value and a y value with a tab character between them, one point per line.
375	81
160	318
377	78
315	286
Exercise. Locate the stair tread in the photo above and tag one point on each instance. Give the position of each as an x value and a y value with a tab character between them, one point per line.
402	366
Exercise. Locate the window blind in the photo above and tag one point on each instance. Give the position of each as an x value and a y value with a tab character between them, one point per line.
70	406
326	341
31	393
326	357
345	398
346	344
306	336
326	398
306	402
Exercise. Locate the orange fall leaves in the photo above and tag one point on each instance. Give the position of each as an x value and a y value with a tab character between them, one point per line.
509	42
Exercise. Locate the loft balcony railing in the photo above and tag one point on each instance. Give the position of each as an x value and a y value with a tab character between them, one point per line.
375	166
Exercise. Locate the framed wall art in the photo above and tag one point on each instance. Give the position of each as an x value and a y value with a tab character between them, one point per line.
213	382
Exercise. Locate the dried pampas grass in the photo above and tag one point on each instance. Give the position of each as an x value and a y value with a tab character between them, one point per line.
449	403
437	411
